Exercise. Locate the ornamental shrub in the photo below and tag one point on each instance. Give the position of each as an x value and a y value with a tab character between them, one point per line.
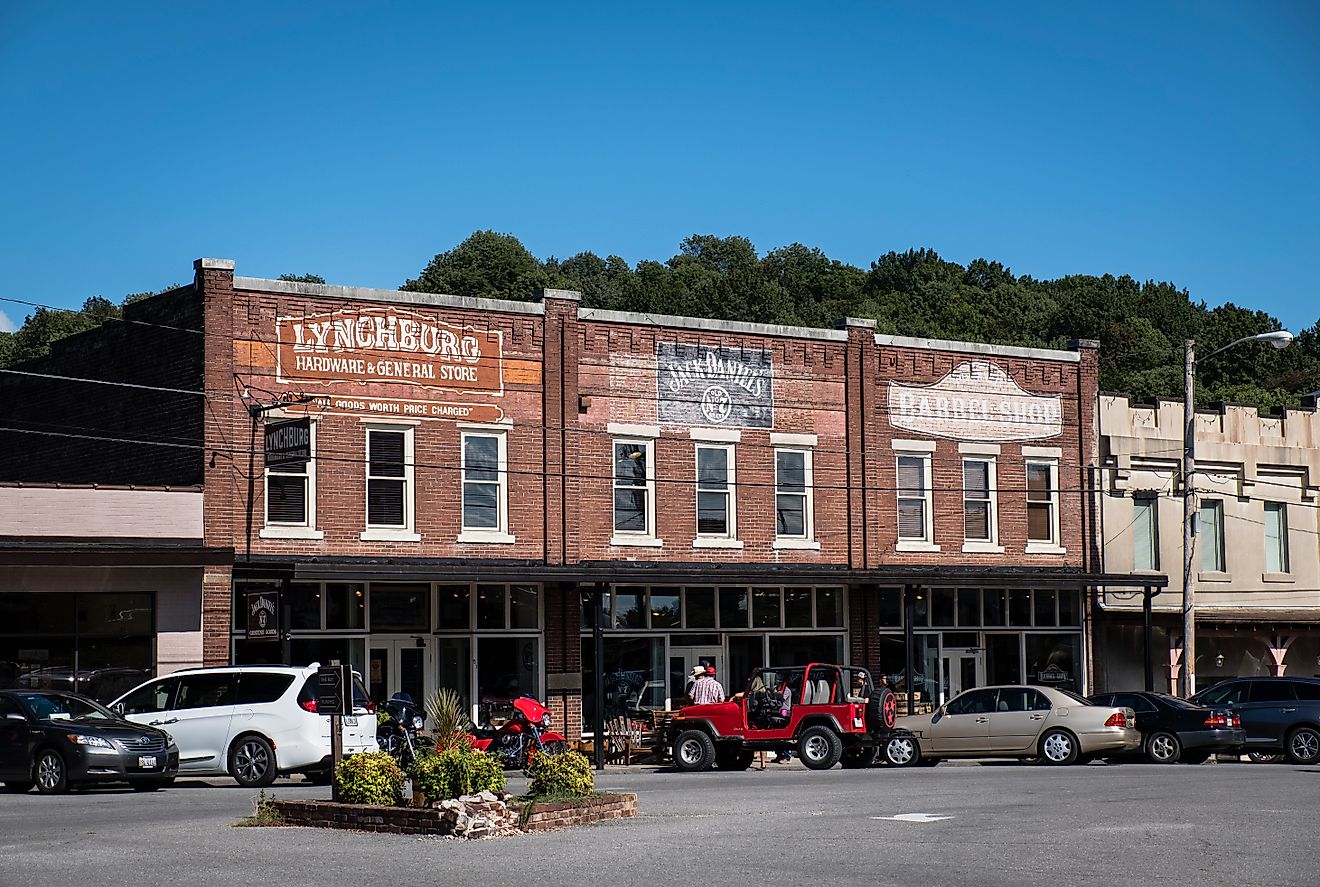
455	772
371	778
567	775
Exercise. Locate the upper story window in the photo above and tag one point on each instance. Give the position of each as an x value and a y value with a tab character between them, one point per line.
1211	532
1042	503
979	518
1276	537
390	483
793	494
634	488
291	497
915	524
485	487
716	503
1145	532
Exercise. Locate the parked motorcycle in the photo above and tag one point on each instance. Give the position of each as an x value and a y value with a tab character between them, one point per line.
399	731
519	739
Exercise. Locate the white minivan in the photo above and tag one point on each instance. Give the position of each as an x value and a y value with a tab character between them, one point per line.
254	722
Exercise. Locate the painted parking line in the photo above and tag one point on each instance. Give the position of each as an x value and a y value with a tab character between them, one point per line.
914	817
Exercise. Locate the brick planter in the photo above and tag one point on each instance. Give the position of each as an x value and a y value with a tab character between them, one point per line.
541	816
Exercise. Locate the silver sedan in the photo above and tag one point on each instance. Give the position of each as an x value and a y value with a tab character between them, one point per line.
1013	722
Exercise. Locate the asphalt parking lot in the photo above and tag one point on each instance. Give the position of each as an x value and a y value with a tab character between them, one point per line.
1004	824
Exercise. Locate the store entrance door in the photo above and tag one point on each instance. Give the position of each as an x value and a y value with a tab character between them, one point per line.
681	662
960	670
398	665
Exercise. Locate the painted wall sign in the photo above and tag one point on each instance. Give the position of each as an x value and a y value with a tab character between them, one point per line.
976	401
703	385
392	361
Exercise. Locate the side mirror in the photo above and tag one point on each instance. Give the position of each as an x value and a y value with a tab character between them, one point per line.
118	708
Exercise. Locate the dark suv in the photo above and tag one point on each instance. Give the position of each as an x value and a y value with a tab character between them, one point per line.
1278	714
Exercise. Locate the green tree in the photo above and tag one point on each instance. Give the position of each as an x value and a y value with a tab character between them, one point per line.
302	278
486	264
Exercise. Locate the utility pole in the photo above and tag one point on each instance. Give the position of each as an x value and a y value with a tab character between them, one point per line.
1189	521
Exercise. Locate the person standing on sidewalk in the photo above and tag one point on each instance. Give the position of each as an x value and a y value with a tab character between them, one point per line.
707	690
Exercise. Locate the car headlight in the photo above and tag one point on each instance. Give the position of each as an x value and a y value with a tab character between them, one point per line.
90	741
417	723
545	719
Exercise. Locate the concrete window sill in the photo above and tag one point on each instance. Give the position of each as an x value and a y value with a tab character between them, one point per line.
975	547
637	541
1214	576
700	542
382	535
795	545
1045	548
291	533
915	545
1277	577
478	537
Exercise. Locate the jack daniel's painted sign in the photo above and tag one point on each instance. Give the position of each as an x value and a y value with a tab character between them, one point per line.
704	385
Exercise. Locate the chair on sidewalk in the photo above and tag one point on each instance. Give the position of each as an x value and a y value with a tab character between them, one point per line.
625	740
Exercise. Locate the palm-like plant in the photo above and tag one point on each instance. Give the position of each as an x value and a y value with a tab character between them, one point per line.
449	722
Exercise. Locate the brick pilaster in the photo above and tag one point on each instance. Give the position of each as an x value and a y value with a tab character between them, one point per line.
224	454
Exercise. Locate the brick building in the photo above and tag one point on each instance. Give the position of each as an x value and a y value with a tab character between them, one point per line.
455	485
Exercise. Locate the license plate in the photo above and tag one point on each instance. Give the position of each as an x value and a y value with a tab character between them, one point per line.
350	721
147	762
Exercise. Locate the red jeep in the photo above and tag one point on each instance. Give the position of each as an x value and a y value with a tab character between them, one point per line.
832	713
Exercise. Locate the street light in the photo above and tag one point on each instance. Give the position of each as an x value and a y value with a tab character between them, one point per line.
1278	339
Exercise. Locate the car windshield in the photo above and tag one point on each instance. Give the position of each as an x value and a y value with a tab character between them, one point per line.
59	707
1175	701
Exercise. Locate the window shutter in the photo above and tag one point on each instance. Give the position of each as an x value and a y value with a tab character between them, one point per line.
385	503
386	454
912	519
1039	527
286	499
976	480
976	520
911	476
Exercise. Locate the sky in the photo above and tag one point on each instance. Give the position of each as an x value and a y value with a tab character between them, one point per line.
1167	141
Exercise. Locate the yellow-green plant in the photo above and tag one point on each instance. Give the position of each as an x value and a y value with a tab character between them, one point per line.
456	771
371	778
449	723
561	776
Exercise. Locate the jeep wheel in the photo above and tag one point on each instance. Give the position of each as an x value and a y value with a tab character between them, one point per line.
859	758
733	758
902	751
881	710
693	751
820	748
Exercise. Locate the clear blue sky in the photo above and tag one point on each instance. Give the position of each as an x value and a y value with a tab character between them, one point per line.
356	140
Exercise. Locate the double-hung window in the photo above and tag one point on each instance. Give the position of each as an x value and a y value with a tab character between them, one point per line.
291	496
1042	506
390	483
1145	532
979	501
634	491
1210	530
716	503
1276	537
485	486
915	522
793	494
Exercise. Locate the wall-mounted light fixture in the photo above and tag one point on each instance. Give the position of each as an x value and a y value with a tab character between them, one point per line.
1219	661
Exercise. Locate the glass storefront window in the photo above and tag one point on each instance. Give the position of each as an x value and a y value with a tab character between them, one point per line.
1052	659
400	607
921	608
941	612
506	669
1019	608
455	667
969	606
665	610
524	610
797	608
700	607
453	605
993	604
829	607
889	604
1068	609
765	608
634	677
1046	616
790	650
490	606
746	654
733	608
1003	658
241	590
629	608
345	606
304	602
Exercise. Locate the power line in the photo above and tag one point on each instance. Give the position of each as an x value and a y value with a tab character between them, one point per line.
134	321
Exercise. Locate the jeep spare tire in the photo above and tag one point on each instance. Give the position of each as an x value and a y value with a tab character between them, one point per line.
881	710
693	751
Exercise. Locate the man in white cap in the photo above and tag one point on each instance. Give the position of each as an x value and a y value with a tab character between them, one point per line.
697	671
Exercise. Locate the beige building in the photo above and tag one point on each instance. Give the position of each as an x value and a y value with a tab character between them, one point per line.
1257	549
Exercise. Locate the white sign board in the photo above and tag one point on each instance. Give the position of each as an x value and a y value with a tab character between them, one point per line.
976	401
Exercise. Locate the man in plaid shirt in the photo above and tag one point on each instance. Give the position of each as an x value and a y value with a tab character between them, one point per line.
706	689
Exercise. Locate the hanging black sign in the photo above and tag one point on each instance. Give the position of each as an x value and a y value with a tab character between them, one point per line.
263	616
704	385
288	443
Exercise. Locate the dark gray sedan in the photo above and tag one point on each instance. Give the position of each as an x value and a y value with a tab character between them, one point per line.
56	740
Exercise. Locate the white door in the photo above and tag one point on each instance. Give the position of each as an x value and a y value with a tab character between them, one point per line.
960	670
681	662
201	720
399	665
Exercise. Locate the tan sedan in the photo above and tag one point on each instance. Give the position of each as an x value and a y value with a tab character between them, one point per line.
1013	722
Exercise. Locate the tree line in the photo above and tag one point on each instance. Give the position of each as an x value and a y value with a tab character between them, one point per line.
1141	326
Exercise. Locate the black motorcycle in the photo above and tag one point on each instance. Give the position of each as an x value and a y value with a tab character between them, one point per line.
399	732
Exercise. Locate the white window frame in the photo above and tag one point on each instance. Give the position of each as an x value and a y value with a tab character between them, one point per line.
1051	464
991	544
808	538
927	540
729	538
1285	555
645	537
307	529
499	534
407	532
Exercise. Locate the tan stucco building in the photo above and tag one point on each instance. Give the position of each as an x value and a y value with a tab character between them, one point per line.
1257	551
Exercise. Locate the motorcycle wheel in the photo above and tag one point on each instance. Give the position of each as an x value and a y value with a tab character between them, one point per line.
556	747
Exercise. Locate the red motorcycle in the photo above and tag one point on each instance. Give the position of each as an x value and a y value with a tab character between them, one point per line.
520	738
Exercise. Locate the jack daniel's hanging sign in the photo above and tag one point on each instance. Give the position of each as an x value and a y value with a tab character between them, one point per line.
704	385
263	616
